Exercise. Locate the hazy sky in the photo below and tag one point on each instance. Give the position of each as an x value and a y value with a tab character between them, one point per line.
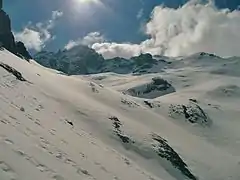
126	27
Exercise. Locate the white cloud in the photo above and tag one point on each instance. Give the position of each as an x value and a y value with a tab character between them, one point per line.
192	28
56	14
36	36
33	39
88	40
140	13
111	50
98	42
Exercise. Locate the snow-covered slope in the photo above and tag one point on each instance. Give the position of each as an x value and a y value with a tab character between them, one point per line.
60	127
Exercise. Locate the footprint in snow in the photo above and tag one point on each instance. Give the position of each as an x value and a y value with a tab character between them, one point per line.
4	121
8	141
37	122
7	170
58	177
70	162
52	132
83	171
5	167
12	117
42	168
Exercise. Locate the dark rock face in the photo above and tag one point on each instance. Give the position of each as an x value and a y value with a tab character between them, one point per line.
158	149
22	50
167	152
158	84
144	62
46	59
129	103
84	60
13	71
144	59
156	88
7	39
78	60
192	112
6	36
148	104
117	130
118	65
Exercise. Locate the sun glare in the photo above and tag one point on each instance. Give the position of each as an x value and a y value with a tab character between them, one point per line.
86	7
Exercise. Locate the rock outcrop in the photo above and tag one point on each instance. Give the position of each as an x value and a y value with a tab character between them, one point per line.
84	60
13	71
156	88
191	112
7	39
78	60
22	50
6	36
165	151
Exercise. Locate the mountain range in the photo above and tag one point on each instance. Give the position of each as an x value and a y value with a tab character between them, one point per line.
72	114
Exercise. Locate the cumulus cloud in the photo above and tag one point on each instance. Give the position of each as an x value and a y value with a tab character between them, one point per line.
194	27
36	36
111	50
88	40
98	42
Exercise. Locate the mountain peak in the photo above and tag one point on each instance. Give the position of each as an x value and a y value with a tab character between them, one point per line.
7	39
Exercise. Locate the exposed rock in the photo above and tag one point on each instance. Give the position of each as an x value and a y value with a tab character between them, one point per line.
6	36
118	65
153	104
117	130
145	63
158	87
69	122
13	71
47	59
149	104
167	152
84	60
129	103
22	50
144	59
204	54
78	60
193	100
7	39
192	112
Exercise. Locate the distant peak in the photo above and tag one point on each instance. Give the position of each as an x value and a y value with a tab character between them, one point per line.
204	54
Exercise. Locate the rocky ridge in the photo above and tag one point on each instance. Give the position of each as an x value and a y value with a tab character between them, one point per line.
7	39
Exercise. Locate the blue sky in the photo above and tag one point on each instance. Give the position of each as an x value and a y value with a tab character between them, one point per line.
118	20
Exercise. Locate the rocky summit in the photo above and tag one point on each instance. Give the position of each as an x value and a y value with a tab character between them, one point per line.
6	36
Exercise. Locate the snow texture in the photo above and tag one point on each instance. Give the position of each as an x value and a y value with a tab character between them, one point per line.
58	127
